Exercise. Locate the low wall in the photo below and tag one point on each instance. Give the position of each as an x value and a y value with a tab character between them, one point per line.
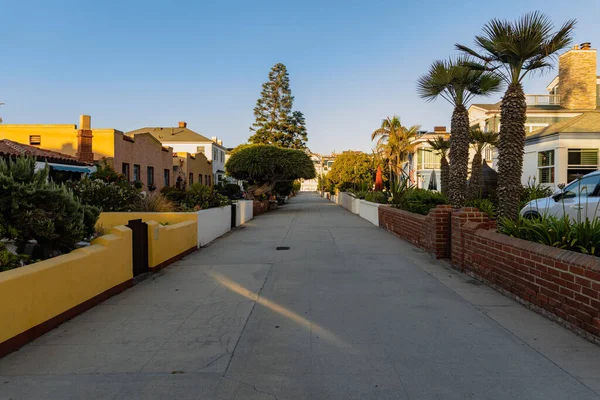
554	282
369	211
109	219
244	211
430	232
260	207
213	223
37	298
168	243
349	202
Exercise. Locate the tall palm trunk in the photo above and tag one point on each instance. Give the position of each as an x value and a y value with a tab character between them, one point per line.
510	150
459	156
476	181
444	175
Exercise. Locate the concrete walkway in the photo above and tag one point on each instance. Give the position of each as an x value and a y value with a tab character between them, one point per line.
347	312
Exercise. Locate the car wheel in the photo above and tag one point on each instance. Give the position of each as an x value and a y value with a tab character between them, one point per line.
531	215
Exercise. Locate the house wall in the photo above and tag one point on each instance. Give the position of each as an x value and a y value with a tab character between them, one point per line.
560	144
144	151
61	138
192	148
197	164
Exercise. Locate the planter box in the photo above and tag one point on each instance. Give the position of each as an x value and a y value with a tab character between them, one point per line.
350	202
109	219
369	211
213	223
244	211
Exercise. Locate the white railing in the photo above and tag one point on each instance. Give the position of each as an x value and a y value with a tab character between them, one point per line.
542	99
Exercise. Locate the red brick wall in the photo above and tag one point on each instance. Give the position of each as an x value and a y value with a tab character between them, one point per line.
564	283
429	232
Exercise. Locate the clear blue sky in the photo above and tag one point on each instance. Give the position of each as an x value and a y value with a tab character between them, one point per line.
146	63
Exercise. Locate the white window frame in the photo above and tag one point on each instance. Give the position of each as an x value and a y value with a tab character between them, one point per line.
552	167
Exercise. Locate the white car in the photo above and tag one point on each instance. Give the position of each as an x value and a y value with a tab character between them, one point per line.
579	200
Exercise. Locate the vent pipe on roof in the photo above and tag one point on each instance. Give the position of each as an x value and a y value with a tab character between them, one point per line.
585	46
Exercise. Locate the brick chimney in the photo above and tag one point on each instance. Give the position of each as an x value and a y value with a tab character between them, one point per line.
439	129
577	78
84	140
182	124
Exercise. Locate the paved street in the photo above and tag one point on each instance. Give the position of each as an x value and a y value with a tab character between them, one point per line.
347	312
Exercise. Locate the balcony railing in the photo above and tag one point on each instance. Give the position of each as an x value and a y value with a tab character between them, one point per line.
542	99
421	166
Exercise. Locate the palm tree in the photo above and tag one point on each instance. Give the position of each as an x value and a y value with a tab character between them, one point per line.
458	84
440	146
511	50
479	140
395	142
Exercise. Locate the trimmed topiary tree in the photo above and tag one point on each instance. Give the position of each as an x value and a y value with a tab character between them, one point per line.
263	166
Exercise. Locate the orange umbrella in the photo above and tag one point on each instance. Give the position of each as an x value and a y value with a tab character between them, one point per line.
379	180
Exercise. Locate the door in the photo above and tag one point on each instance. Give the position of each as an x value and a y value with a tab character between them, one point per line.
139	245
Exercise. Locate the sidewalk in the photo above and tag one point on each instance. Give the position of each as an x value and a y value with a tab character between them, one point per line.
347	312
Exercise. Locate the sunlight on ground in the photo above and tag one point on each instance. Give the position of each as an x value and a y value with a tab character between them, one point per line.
242	291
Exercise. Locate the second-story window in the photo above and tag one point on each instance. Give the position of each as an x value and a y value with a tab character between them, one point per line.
191	179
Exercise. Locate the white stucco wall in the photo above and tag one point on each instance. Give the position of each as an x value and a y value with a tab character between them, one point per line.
369	211
560	144
244	212
213	223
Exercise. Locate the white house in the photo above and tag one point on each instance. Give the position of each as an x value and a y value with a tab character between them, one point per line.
563	126
183	139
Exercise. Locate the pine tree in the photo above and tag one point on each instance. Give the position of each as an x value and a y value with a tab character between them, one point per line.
276	123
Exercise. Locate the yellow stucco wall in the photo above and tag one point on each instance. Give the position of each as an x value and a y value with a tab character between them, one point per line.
109	219
165	242
36	293
61	138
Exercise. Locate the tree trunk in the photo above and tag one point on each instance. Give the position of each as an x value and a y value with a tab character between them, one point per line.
444	175
255	191
513	113
459	156
476	181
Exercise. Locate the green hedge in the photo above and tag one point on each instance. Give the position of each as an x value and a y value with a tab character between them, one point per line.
419	201
376	197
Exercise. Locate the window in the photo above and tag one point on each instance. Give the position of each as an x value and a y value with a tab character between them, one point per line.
581	162
167	177
546	166
215	154
209	180
200	179
191	179
35	140
125	170
427	159
150	171
175	168
222	156
200	149
488	154
587	187
136	173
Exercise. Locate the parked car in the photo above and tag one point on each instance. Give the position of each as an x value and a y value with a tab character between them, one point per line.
579	200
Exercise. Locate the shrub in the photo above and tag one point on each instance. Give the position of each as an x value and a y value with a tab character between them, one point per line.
174	194
532	191
359	194
376	197
399	192
107	196
8	260
296	186
156	203
106	173
483	205
563	233
420	201
31	208
283	188
201	197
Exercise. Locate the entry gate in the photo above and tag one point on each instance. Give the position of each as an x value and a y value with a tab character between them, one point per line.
139	244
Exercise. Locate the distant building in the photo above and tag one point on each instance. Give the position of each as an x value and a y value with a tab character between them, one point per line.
323	163
63	167
183	139
562	132
140	157
191	168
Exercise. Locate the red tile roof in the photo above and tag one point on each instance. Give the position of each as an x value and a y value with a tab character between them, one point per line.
10	148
